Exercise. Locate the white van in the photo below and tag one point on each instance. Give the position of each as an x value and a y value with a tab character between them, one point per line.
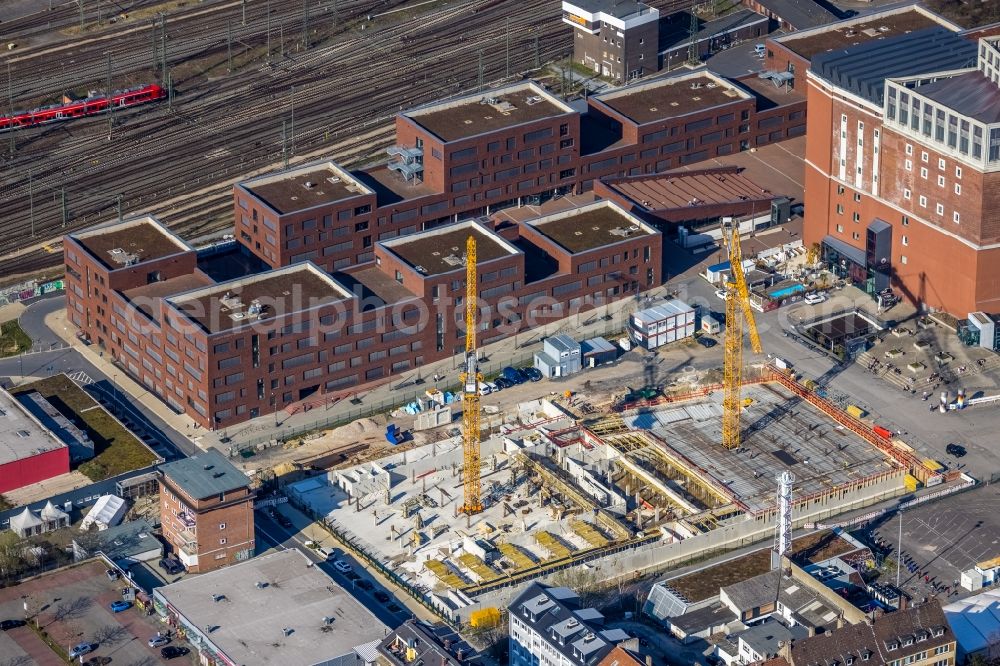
327	553
759	50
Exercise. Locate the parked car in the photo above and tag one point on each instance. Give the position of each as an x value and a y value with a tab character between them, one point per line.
502	383
956	450
284	521
172	651
707	343
328	554
11	624
815	299
513	375
534	374
81	649
721	293
342	566
171	566
157	641
119	606
381	596
364	584
492	387
484	388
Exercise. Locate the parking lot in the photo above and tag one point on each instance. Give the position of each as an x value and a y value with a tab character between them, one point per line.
71	606
943	539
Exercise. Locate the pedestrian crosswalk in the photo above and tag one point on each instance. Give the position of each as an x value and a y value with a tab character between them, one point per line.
81	378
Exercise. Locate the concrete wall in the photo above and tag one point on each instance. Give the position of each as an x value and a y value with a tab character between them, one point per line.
740	532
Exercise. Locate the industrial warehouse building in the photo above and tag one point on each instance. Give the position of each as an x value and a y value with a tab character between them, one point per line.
273	609
29	451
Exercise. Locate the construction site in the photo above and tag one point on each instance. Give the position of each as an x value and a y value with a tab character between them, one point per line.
632	485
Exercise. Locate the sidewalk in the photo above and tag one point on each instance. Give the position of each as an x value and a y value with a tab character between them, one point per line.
183	424
518	350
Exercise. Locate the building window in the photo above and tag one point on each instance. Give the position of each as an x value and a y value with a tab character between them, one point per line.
856	236
941	164
958	172
909	149
940	209
940	181
958	188
222	542
906	240
840	228
923	201
923	156
902	259
955	217
840	209
923	172
856	216
908	165
857	195
222	526
906	194
906	221
840	189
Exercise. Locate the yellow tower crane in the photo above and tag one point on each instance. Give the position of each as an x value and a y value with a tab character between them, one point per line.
470	397
737	309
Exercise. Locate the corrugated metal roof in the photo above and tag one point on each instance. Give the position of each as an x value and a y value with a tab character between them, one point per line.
863	69
971	94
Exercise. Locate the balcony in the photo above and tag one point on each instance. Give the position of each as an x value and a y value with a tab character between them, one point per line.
186	519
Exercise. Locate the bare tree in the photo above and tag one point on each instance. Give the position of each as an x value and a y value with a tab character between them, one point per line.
21	660
145	661
111	634
69	610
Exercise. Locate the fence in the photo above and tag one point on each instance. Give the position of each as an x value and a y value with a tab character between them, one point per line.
400	397
27	290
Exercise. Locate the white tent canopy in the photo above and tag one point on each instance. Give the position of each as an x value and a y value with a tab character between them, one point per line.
107	512
25	523
975	620
53	513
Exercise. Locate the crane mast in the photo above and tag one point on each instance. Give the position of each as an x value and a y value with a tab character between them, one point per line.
470	390
737	310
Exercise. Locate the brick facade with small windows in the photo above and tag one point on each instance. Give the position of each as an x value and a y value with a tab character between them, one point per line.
206	512
128	284
916	155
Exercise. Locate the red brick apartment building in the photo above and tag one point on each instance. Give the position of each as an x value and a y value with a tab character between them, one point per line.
206	511
369	254
902	162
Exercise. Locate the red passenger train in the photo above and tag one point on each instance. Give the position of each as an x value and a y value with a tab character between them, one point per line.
85	107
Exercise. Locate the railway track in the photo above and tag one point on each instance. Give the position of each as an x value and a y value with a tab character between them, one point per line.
223	127
414	67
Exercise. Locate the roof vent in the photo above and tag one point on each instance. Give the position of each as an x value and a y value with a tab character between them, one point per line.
542	600
260	585
327	620
218	597
218	475
208	467
309	184
573	622
288	631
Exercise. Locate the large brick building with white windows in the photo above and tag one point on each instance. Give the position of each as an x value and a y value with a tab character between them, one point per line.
903	166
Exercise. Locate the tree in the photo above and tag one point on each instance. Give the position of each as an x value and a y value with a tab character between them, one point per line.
110	634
